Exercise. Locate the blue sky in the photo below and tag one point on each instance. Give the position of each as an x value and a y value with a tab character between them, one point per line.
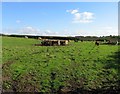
60	0
60	18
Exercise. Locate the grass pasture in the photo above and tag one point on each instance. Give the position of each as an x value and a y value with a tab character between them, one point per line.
77	66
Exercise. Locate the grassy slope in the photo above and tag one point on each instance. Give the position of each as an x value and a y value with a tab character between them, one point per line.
79	65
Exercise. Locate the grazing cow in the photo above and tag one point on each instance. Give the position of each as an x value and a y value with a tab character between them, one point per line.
39	38
117	42
97	43
81	40
26	37
38	45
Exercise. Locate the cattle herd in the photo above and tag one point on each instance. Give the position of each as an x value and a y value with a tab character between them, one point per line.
58	42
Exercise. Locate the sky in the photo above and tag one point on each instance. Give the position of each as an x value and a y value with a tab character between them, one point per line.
118	18
60	0
60	18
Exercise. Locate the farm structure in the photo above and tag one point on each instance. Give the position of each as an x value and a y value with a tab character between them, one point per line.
52	42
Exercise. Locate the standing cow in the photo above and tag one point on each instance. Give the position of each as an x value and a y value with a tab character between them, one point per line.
97	43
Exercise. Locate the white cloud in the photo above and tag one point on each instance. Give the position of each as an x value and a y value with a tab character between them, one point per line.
97	31
66	32
108	27
77	16
88	15
106	30
49	32
81	17
18	21
73	11
29	31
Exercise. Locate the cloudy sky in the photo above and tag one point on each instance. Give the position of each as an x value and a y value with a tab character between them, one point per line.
60	18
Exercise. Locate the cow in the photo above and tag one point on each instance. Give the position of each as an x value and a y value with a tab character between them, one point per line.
97	43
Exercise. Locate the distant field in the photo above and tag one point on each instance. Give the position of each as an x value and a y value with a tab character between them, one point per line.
79	65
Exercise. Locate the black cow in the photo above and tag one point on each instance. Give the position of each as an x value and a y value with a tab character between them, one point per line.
97	43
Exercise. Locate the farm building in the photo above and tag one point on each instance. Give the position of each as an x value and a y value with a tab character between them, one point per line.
52	42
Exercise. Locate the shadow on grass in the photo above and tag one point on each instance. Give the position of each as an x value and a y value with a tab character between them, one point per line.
109	86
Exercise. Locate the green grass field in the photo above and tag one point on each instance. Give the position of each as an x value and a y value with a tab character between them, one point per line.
79	65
